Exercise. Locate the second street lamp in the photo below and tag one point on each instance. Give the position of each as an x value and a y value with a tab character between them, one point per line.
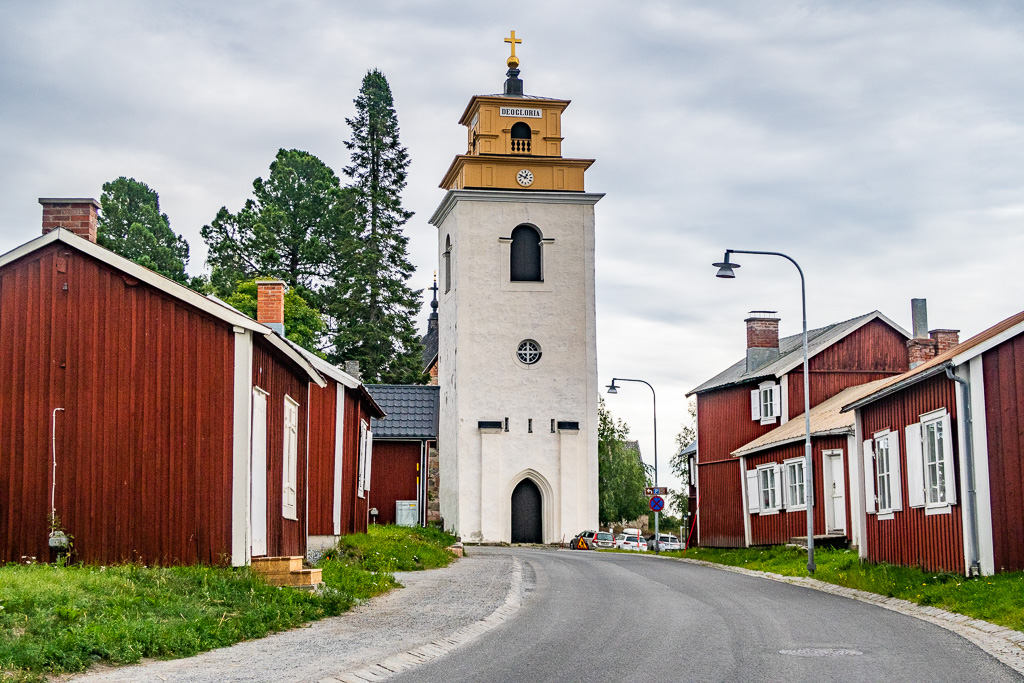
728	270
612	389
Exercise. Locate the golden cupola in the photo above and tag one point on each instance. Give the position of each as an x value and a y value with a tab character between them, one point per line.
515	141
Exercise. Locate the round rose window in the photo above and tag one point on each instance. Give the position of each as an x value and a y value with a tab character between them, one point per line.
528	352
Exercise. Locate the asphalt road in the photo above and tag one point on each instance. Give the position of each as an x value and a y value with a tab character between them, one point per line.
601	616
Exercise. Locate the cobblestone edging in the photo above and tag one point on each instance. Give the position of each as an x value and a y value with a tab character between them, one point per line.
403	661
1004	644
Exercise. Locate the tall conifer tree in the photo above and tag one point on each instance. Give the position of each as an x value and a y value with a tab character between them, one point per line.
371	306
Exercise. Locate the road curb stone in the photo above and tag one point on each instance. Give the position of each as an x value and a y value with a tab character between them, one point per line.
1003	643
403	661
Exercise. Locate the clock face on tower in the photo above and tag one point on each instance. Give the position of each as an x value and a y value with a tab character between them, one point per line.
525	178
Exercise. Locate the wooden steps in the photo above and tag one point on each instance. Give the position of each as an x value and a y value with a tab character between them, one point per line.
287	571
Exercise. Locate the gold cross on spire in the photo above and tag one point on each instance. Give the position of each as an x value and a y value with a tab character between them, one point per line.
513	61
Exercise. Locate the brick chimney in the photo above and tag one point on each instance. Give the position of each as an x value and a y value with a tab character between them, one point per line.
945	339
762	339
926	345
270	304
80	216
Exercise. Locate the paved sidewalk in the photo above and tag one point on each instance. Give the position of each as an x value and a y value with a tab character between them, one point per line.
436	611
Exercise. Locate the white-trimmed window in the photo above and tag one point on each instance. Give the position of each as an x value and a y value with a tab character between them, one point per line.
930	479
766	403
764	489
793	482
882	473
290	468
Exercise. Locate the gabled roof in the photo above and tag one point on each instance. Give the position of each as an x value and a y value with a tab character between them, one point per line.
212	306
791	352
412	411
826	418
337	374
958	355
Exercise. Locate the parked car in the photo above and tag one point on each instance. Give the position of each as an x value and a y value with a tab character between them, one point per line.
595	540
631	542
663	542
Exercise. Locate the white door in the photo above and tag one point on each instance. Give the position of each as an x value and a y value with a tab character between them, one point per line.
837	494
258	463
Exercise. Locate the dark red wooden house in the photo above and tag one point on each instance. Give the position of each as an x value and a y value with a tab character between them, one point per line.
941	456
763	391
402	442
160	426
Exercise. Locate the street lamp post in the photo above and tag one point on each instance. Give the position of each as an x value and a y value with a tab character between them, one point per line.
727	270
612	389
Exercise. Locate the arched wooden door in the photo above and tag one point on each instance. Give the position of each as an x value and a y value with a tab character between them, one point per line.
527	520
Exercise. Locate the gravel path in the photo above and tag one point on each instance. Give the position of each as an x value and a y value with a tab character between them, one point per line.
470	596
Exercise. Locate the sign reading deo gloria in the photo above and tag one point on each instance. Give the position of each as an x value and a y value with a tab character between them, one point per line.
521	113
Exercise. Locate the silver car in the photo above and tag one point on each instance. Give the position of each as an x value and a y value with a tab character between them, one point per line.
664	542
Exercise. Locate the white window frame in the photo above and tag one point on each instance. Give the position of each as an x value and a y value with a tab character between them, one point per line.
290	460
795	491
938	482
769	489
364	429
886	449
766	403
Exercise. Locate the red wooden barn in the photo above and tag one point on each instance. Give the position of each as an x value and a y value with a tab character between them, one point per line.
763	391
159	425
402	443
942	457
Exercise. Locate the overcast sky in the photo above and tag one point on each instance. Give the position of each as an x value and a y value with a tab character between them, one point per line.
880	144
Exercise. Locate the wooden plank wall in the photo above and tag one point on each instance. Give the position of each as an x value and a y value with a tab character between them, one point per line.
278	377
872	352
779	528
1004	416
912	538
721	506
144	442
322	420
724	424
395	472
353	508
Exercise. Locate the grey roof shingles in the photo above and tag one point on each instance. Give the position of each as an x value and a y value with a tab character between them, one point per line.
411	411
791	352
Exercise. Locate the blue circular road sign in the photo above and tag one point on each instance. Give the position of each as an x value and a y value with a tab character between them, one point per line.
657	503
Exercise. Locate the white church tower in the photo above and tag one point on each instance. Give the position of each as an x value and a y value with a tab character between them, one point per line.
517	348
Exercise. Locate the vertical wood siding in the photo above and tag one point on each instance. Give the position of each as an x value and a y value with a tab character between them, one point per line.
912	538
721	506
278	378
322	420
724	424
872	352
1004	416
353	508
780	527
144	442
394	476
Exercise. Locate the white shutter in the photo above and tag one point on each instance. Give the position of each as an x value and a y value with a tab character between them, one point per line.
778	485
753	492
785	486
947	453
895	471
755	404
776	400
915	467
869	477
361	472
290	461
369	460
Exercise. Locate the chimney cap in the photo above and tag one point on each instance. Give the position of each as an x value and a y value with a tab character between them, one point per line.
69	200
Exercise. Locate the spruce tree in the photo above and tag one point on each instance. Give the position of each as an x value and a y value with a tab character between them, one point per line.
371	306
130	224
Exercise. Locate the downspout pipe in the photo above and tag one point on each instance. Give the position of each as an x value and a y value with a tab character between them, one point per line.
972	499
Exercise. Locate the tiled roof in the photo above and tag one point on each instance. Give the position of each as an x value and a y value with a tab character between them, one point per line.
960	353
791	352
411	411
826	418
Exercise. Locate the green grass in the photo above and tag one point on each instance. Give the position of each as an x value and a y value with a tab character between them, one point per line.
64	619
998	599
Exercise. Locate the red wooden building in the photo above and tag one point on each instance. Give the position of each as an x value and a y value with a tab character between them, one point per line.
763	391
402	443
941	456
160	426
